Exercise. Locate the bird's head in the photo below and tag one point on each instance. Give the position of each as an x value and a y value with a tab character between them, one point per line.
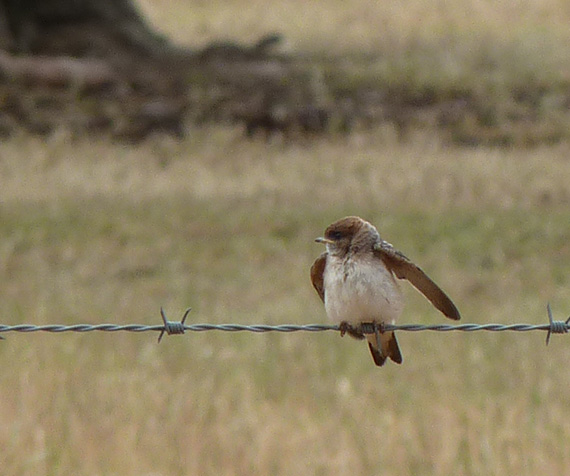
349	234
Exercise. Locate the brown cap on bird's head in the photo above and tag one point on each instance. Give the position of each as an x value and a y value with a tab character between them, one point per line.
349	231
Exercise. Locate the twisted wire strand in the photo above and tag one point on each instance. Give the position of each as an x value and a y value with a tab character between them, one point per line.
58	328
560	326
173	327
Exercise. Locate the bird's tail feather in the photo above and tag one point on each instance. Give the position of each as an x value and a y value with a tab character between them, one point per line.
388	348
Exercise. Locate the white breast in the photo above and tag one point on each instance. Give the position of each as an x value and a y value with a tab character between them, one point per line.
362	291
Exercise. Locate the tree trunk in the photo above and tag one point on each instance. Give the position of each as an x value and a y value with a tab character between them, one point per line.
77	28
95	65
88	65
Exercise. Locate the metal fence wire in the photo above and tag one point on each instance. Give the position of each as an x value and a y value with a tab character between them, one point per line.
174	327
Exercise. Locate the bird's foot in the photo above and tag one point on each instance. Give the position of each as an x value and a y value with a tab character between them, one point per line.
371	327
352	331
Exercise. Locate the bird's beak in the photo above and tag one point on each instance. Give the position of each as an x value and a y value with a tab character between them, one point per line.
326	241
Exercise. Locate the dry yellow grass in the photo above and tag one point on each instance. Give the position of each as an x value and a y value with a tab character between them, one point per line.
358	24
95	232
443	45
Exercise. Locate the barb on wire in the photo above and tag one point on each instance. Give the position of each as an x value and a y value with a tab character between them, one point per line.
173	327
556	327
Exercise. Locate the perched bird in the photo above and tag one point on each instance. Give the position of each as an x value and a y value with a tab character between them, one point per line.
356	279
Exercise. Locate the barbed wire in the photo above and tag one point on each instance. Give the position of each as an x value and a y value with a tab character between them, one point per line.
174	327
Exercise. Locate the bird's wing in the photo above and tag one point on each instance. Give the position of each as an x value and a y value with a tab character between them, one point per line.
403	268
317	274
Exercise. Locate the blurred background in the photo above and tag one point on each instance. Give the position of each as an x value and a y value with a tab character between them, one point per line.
183	153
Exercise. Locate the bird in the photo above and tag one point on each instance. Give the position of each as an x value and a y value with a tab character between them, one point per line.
357	280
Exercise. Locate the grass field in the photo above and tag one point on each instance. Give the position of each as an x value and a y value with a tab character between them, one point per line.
94	232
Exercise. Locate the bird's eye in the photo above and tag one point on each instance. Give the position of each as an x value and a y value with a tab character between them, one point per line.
335	235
